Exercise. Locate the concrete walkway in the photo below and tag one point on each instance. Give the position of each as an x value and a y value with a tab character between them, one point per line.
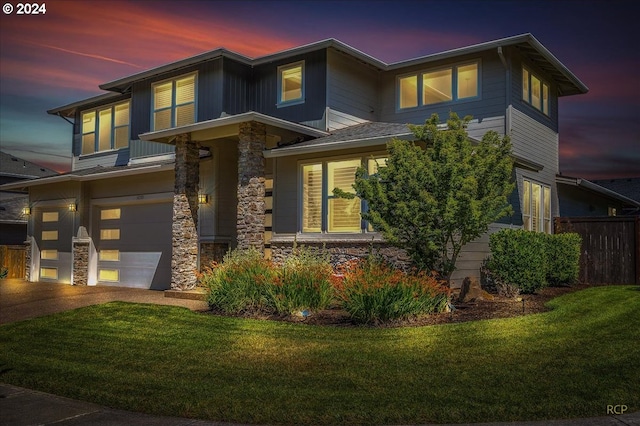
21	300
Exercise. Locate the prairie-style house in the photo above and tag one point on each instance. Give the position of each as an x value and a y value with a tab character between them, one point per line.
175	165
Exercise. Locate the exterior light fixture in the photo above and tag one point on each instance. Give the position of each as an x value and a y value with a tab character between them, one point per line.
26	211
203	198
73	207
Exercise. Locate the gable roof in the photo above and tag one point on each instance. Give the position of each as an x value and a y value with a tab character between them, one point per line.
629	187
599	189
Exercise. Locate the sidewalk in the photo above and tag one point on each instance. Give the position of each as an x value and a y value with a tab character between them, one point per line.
24	407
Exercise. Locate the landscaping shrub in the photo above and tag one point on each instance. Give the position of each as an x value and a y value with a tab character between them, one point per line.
518	257
303	282
373	292
563	258
239	284
4	272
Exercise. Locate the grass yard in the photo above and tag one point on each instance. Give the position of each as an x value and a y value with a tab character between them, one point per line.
569	362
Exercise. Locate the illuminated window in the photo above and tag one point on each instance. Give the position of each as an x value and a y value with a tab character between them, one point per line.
312	198
49	216
49	254
109	255
49	273
106	128
109	214
174	103
536	207
449	84
109	234
291	83
535	91
49	235
343	214
112	275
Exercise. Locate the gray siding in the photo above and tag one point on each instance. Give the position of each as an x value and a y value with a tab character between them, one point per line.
315	83
491	103
352	86
238	96
579	202
140	148
118	157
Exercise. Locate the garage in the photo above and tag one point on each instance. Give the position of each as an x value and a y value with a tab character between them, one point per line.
133	244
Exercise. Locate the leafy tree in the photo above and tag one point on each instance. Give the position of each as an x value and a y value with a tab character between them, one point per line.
439	192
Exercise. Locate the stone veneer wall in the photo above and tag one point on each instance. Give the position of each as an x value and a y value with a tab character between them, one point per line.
27	259
212	252
343	251
184	255
80	253
251	185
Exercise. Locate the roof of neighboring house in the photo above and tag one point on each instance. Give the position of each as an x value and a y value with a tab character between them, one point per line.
11	208
629	187
591	186
568	83
14	167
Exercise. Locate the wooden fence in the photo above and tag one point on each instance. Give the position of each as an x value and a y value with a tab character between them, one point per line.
14	258
610	248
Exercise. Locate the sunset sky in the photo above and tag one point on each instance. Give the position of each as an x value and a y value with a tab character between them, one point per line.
62	56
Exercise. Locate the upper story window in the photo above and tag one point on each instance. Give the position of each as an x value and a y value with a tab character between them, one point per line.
535	91
291	84
457	82
536	206
174	102
105	128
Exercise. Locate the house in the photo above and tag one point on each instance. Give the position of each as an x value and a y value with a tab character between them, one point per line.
13	221
175	165
581	198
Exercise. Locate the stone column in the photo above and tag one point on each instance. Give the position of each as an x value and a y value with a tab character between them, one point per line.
184	255
251	189
27	260
80	254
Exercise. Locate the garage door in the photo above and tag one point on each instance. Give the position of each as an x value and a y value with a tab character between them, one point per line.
133	243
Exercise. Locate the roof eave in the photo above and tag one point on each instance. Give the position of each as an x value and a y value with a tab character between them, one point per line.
596	188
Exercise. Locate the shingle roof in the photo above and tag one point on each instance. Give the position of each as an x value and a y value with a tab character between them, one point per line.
362	131
629	187
12	166
11	208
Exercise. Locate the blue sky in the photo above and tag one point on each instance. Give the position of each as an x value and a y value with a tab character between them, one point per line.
60	57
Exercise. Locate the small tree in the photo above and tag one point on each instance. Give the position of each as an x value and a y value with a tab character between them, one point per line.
438	193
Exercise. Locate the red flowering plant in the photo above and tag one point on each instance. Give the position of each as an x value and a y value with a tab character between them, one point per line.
374	292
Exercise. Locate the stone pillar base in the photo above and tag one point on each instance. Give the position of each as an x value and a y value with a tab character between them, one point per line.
80	255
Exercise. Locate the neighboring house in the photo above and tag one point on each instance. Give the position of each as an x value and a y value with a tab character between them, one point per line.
179	163
13	221
627	187
580	197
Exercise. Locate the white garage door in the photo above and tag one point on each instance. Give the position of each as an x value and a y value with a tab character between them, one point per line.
134	245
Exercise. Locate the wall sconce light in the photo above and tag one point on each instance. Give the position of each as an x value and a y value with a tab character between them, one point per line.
73	207
26	211
203	198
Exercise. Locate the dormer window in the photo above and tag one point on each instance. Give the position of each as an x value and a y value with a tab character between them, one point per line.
174	103
534	91
291	84
105	128
448	84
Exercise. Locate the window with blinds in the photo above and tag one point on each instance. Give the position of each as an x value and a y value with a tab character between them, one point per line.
174	103
536	206
312	198
343	214
105	128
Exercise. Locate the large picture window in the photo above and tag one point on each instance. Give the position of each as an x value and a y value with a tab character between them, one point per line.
174	103
321	210
291	83
536	206
106	128
454	83
534	91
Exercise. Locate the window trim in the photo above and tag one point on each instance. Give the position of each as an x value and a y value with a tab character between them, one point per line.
454	85
543	85
173	106
280	103
96	128
544	222
326	195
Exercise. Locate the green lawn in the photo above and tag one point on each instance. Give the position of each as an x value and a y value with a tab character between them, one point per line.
570	362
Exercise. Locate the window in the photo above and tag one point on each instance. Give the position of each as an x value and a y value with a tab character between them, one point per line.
321	210
109	255
109	275
49	216
109	214
106	128
109	234
534	91
536	207
49	254
291	83
49	273
174	103
436	86
49	235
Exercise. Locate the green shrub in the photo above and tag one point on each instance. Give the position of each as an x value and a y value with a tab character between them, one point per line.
518	257
303	282
4	272
372	292
563	258
238	284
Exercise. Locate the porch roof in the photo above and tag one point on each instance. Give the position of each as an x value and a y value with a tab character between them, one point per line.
228	126
590	186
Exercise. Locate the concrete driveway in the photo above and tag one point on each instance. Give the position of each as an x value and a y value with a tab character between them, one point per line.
20	299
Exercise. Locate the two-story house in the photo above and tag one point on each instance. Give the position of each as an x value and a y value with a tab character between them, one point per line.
175	165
